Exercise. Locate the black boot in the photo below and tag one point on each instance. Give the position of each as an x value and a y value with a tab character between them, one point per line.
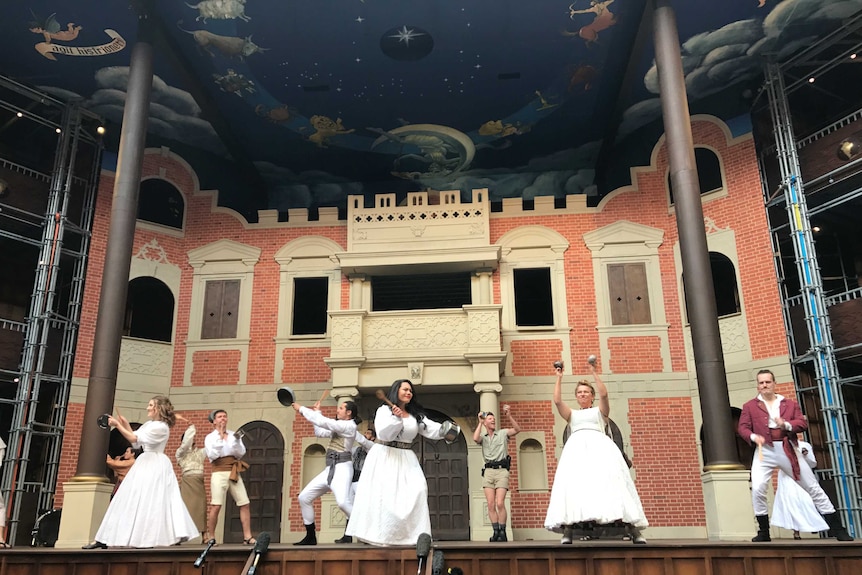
346	538
310	536
496	535
836	528
762	529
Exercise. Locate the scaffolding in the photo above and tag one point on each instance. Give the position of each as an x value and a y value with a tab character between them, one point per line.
820	356
43	380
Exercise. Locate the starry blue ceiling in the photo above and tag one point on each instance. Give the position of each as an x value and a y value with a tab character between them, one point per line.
317	99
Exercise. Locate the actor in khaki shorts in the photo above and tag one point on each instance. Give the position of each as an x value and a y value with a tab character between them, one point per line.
495	475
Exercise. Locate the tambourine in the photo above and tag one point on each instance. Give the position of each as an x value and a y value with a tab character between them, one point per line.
451	431
286	397
102	420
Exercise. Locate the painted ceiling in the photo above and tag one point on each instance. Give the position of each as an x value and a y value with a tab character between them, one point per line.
308	101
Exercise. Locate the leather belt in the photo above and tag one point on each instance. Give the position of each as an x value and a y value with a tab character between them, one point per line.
398	444
777	433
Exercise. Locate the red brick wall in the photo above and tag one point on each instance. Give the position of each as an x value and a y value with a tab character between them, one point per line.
302	365
635	354
535	356
666	461
529	509
216	367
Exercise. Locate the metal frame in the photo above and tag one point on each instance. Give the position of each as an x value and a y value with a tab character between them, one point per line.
19	476
821	354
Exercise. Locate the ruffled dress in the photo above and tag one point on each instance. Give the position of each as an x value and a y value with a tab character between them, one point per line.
592	482
148	510
391	505
793	507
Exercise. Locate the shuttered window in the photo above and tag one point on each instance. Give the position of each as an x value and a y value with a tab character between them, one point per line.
627	286
221	307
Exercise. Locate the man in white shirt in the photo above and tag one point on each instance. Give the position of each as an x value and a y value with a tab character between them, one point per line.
225	451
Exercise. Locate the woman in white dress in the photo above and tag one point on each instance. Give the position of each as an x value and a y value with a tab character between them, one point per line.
592	483
793	508
147	510
391	506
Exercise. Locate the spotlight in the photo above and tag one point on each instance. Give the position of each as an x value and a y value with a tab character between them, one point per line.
852	56
4	188
849	148
811	80
20	114
815	229
59	131
100	130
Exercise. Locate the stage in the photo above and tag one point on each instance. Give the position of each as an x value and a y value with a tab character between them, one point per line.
659	557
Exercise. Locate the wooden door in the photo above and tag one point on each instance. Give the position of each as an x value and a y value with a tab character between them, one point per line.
445	469
264	480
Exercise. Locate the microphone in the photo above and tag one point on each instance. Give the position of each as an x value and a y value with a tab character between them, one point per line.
438	563
423	547
203	556
260	547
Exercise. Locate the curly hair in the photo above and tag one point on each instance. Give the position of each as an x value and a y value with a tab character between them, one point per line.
164	410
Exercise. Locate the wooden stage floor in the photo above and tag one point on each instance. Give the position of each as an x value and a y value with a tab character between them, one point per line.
610	557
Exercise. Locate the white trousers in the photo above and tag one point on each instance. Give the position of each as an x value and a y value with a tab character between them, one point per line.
773	457
340	488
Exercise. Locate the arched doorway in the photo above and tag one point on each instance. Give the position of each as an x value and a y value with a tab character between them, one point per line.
445	469
264	481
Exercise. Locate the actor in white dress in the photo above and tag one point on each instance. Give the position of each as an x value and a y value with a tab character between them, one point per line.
793	509
592	482
391	506
147	510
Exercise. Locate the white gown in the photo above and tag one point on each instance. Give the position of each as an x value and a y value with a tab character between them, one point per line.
793	507
391	505
148	510
592	482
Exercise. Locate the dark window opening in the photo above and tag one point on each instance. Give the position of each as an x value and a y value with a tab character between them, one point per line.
708	172
160	202
723	284
423	291
149	310
533	301
310	301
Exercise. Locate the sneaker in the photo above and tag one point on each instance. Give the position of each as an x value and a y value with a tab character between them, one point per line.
567	536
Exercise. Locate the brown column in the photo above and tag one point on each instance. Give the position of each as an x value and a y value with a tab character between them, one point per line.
720	437
118	258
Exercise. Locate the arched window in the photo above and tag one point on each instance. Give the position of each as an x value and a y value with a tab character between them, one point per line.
708	172
161	203
313	462
723	284
532	467
149	310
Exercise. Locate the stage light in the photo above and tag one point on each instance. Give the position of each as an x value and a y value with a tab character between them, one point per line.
815	229
811	80
20	114
59	131
849	148
4	188
852	56
100	130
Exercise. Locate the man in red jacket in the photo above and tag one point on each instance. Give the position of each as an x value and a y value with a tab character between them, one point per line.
771	422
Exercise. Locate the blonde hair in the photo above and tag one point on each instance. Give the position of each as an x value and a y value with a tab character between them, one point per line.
586	383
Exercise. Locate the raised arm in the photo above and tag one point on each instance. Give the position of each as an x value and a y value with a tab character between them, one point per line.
477	434
563	409
601	392
515	429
